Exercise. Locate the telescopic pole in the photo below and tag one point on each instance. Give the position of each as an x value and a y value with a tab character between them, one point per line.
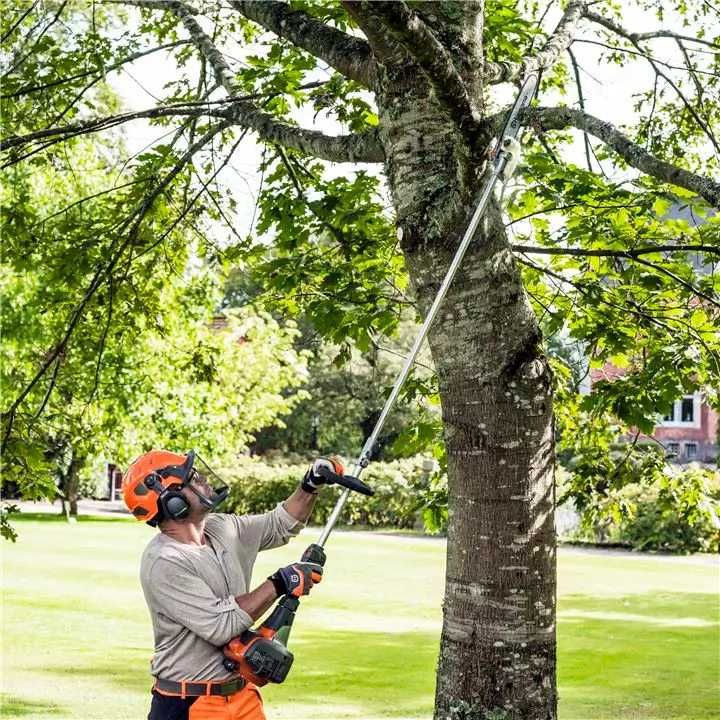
505	158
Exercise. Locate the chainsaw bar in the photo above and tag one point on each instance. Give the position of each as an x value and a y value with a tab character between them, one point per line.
523	100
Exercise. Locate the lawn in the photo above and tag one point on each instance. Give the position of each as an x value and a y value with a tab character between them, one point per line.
637	635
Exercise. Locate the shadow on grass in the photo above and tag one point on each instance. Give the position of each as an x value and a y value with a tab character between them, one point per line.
11	707
390	674
651	655
644	655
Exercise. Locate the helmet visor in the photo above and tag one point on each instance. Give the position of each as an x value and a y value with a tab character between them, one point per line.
205	482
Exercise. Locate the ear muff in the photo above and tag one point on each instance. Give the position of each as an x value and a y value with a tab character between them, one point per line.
173	503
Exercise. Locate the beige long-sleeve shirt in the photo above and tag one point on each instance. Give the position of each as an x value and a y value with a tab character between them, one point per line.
190	590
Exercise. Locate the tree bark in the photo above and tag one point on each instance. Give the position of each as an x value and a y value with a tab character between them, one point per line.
70	485
498	641
497	655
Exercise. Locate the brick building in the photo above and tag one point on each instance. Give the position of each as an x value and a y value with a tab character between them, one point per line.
688	430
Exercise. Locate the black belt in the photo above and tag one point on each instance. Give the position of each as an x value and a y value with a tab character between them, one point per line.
195	689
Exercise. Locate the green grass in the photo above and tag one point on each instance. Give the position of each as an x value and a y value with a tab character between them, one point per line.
637	636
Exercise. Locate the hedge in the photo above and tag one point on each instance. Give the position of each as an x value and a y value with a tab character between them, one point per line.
679	514
256	487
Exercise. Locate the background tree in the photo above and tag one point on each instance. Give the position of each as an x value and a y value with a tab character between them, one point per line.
416	86
148	366
211	388
344	400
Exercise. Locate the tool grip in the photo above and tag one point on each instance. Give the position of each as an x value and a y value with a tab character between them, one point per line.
348	481
282	615
314	553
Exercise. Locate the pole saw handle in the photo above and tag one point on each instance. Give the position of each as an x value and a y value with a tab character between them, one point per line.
348	481
314	553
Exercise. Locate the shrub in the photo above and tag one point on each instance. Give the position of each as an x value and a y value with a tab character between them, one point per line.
678	514
256	487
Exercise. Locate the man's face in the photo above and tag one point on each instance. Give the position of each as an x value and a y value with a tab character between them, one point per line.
200	483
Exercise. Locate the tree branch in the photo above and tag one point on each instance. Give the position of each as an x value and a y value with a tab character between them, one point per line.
223	74
633	38
593	298
428	52
680	281
355	147
187	207
646	55
633	254
350	56
17	62
28	89
581	103
559	40
18	22
557	118
363	147
103	123
638	37
630	254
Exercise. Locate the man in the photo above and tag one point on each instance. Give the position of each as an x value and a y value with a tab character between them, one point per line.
195	575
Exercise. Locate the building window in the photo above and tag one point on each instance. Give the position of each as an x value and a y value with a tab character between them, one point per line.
686	409
684	412
690	451
673	449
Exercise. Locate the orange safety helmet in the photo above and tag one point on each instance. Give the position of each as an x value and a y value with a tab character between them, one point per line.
142	501
152	486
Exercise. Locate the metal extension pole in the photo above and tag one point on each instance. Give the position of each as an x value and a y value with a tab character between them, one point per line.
503	154
364	459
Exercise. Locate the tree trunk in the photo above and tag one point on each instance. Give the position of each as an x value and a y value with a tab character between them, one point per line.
498	642
497	655
70	485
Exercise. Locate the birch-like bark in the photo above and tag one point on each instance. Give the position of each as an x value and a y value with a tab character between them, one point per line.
498	641
350	56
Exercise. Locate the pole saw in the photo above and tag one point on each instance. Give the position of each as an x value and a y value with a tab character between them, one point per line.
261	655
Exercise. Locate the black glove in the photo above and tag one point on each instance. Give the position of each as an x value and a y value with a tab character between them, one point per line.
296	579
313	477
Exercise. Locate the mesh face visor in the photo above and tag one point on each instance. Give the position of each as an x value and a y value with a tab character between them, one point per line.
209	487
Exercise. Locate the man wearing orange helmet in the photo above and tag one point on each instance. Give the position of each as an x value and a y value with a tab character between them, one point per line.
195	575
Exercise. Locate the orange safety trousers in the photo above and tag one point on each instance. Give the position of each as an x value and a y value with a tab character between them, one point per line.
245	704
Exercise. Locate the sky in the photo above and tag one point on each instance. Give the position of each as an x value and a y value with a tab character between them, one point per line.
608	91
